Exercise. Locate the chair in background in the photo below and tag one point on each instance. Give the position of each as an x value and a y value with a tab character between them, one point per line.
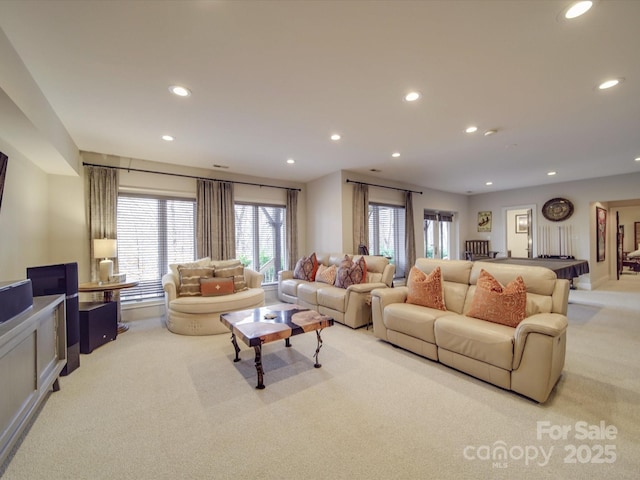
478	250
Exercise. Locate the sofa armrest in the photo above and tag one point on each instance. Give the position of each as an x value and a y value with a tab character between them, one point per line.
386	296
380	298
365	287
285	275
169	286
254	279
550	324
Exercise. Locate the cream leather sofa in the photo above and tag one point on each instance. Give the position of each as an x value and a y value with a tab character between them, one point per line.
200	315
527	359
350	306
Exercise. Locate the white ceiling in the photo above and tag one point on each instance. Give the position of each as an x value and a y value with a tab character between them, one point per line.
272	80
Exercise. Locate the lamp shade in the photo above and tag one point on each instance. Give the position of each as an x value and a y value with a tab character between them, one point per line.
105	248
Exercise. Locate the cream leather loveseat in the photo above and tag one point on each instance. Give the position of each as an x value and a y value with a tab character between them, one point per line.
350	306
199	314
527	359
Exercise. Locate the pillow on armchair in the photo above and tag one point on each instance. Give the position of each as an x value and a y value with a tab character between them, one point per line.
189	285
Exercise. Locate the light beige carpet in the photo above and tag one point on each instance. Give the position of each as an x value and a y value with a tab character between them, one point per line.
154	405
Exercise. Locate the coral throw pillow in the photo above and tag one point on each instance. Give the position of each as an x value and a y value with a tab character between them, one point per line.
426	290
326	274
306	268
213	287
350	272
498	304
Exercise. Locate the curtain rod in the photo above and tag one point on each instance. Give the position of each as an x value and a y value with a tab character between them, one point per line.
85	164
383	186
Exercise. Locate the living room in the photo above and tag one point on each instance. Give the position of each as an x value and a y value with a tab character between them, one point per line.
43	220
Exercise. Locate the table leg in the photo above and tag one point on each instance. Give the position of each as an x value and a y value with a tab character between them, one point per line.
108	297
235	345
287	343
318	365
259	371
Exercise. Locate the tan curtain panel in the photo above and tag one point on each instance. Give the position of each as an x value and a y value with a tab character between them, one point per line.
204	218
102	201
292	229
215	220
409	234
360	216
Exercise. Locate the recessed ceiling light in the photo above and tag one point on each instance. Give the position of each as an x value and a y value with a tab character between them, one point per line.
335	137
610	83
168	138
471	129
490	132
395	154
488	184
291	161
637	159
577	9
180	91
551	174
412	96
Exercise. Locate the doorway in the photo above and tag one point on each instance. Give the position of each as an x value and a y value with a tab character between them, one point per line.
520	225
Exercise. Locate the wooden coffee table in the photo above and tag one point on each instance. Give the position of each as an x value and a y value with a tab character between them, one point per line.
269	324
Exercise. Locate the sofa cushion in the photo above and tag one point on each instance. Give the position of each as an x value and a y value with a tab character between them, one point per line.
426	290
350	272
307	292
290	286
306	268
231	269
326	274
201	262
210	287
219	304
484	341
332	297
495	303
413	320
190	279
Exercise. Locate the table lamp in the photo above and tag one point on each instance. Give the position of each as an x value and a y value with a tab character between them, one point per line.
105	248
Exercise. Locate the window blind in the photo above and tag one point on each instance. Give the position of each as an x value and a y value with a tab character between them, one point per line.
152	233
386	234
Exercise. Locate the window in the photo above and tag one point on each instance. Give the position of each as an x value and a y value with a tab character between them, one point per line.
386	234
437	234
260	238
152	233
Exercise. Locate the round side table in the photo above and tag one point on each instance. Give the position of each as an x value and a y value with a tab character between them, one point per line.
107	290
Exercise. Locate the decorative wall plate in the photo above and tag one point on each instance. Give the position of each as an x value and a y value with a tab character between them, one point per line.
557	209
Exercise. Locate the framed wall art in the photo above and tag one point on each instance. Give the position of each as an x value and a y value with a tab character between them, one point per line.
601	233
484	221
522	223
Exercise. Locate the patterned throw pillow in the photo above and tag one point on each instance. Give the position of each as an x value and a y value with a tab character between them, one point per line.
326	274
212	287
306	268
232	269
190	279
498	304
350	272
426	290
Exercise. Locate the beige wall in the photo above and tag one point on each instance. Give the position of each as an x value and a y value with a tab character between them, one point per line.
585	195
24	217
